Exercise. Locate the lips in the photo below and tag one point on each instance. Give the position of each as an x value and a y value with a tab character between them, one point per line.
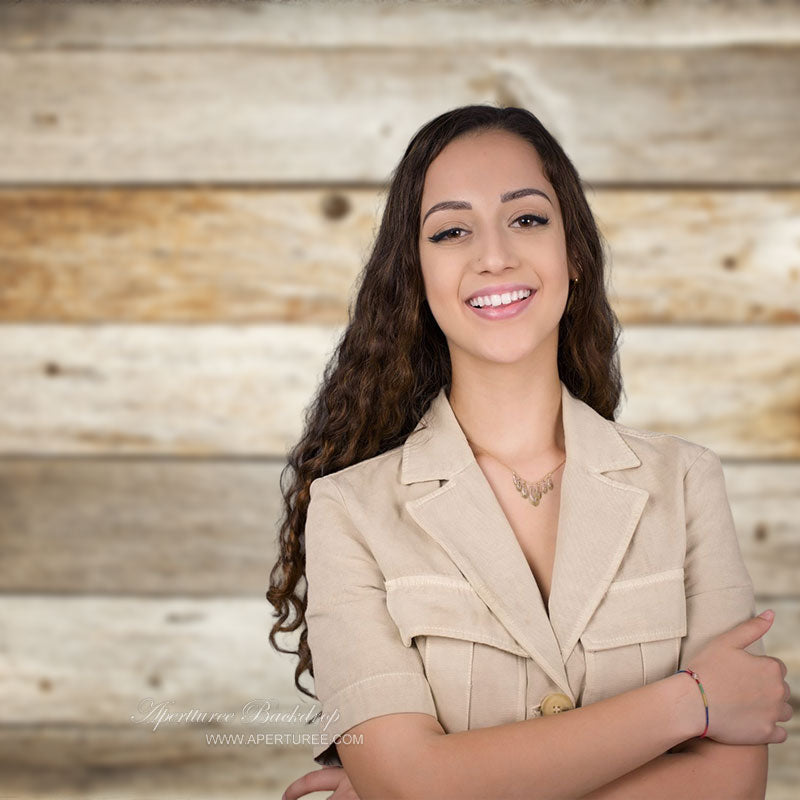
503	312
500	289
508	297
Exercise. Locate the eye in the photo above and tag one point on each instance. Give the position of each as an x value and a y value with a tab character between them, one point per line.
437	237
540	219
537	219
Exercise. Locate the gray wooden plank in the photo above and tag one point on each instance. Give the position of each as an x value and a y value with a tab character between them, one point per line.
122	762
252	116
36	24
139	527
91	660
700	383
163	527
206	390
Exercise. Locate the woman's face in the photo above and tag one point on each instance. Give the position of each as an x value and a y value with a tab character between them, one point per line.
492	243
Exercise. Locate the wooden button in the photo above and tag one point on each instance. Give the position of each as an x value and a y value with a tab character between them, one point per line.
556	703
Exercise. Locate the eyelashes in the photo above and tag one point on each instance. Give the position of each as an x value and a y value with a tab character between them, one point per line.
541	219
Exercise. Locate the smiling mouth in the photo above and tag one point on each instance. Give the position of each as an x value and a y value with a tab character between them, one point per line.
499	300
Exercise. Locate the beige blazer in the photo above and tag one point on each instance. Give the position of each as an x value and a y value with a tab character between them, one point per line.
421	599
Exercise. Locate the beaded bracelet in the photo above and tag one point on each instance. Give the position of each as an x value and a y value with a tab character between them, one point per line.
694	675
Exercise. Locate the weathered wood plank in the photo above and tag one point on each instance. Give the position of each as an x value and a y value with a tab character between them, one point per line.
700	383
702	256
293	255
238	390
151	527
81	525
241	390
36	24
182	255
765	500
253	115
67	120
123	762
108	661
784	765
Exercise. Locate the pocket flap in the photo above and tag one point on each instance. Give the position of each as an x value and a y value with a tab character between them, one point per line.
640	609
438	605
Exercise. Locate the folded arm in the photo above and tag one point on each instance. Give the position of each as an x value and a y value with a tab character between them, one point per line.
719	595
700	769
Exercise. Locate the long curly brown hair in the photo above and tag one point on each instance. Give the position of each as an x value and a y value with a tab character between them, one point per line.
392	358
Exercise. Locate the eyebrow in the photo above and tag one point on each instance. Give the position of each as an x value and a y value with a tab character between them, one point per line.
504	198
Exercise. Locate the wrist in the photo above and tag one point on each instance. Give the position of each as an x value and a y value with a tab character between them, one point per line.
688	711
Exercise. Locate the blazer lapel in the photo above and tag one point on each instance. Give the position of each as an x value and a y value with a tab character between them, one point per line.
597	518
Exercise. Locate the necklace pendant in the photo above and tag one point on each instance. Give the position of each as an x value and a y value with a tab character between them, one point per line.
533	492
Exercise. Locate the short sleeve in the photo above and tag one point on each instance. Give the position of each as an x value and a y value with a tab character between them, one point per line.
362	669
719	589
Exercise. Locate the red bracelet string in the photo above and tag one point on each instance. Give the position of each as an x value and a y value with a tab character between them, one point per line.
696	677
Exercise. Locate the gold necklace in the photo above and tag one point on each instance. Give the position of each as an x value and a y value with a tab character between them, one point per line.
530	491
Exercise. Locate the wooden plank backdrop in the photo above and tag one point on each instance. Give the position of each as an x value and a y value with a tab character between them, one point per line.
187	195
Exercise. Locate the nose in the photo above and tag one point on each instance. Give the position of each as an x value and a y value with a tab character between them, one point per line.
495	252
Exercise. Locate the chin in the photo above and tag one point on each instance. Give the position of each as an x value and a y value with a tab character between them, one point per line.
504	355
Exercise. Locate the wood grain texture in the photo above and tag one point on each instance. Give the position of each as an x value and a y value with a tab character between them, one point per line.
238	390
704	383
177	528
765	502
204	655
123	762
206	390
629	114
294	255
107	660
187	194
182	255
139	527
38	24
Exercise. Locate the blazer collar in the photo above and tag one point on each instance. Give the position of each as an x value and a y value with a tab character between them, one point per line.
597	517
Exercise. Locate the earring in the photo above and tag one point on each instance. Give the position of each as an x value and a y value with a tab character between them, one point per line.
573	282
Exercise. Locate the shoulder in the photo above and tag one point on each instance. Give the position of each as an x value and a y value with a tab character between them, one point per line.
374	475
659	450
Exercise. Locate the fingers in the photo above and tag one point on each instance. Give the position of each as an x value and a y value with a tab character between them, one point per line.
781	664
318	780
788	711
750	630
779	736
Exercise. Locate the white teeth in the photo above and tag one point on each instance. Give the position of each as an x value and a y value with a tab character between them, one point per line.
499	299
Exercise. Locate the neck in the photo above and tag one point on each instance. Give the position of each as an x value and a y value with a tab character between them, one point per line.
515	421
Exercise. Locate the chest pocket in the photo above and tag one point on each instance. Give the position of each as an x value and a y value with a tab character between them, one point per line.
475	668
634	636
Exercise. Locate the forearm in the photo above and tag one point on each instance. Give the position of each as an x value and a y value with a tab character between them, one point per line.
704	770
563	756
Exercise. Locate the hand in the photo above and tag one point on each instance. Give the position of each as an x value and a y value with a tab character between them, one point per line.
322	780
746	694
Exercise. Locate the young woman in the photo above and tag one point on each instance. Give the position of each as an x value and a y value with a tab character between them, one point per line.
502	582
